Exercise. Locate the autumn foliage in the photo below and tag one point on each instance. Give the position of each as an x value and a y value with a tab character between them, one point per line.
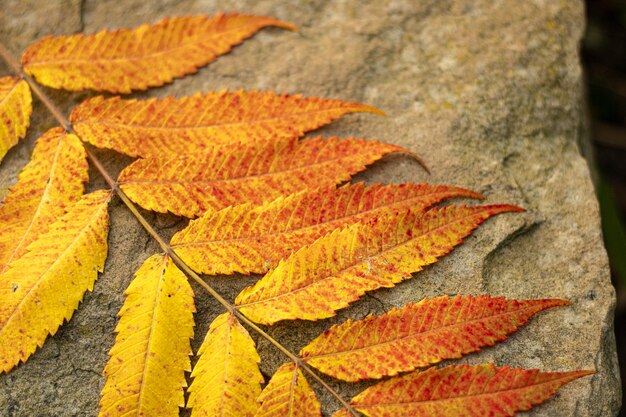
15	110
147	56
261	201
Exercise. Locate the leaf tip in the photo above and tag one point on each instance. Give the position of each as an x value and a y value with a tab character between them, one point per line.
400	149
506	208
421	162
415	156
474	195
366	108
286	25
7	366
584	372
557	302
569	376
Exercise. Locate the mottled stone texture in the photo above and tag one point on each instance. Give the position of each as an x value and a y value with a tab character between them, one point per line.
488	92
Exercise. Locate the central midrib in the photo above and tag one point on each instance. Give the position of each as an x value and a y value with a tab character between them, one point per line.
152	326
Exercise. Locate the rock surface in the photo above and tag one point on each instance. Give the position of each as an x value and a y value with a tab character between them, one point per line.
487	92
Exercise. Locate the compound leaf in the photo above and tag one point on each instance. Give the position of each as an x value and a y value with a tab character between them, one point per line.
50	183
135	59
252	239
227	380
146	371
418	335
268	202
169	126
340	267
288	394
461	391
15	110
45	285
231	175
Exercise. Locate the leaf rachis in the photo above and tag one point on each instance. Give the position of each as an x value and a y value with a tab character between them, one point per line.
374	246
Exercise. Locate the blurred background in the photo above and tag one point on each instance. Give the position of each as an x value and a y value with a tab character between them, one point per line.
604	59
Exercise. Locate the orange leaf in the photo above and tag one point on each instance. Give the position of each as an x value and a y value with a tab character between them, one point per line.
15	110
135	59
418	335
50	183
288	394
151	128
340	267
226	379
461	391
249	238
43	288
230	175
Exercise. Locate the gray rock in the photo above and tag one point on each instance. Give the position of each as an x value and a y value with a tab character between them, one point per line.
489	94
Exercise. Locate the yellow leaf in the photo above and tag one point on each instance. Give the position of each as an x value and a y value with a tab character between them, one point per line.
231	175
340	267
226	379
44	286
15	110
150	128
134	59
50	183
288	394
146	371
252	239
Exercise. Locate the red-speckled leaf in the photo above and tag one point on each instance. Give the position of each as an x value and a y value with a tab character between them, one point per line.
135	59
288	394
231	175
340	267
50	183
15	110
461	391
42	288
418	335
170	126
252	239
